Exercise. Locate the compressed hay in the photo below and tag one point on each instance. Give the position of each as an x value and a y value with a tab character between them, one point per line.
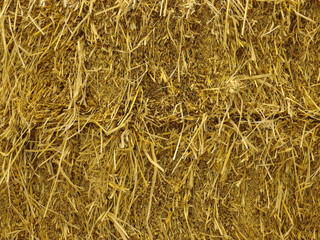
160	119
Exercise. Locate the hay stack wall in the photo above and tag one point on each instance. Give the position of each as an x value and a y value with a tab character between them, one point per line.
128	119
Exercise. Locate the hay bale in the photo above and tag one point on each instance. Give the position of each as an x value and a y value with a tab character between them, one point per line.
159	119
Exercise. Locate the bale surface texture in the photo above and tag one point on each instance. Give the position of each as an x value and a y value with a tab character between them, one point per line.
160	119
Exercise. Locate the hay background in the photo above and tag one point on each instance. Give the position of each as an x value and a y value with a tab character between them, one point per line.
159	119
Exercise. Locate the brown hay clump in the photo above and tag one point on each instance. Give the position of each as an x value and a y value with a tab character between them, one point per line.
187	119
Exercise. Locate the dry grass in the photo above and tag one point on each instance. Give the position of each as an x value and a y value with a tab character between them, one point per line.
187	119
